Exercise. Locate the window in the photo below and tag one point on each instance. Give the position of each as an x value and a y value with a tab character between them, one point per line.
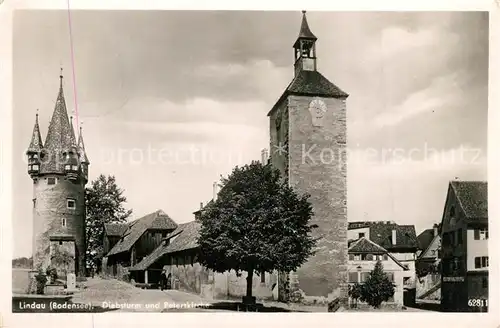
357	257
63	222
390	275
263	277
481	262
361	235
353	277
386	257
452	238
351	257
60	242
71	203
34	202
369	257
452	211
480	234
51	181
364	276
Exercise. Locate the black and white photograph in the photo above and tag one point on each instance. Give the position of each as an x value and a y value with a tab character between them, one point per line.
249	161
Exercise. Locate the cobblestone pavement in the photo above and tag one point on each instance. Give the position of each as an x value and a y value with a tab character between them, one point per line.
115	295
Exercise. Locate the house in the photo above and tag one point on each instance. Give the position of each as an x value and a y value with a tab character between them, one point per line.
138	239
363	254
464	246
429	242
400	242
428	264
178	256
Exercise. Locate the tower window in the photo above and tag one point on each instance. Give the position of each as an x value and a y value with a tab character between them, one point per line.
34	202
60	242
63	222
51	181
71	203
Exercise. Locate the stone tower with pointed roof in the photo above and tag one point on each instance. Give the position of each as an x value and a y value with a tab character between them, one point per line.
308	145
59	170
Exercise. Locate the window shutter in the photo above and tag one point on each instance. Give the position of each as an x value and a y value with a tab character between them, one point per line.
369	257
477	262
476	234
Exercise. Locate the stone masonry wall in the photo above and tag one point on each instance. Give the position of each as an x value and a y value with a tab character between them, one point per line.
317	166
48	213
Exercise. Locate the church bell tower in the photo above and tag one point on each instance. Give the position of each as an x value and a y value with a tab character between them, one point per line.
308	145
59	170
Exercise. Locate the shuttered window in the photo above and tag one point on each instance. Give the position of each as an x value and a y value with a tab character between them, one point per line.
353	277
364	276
390	275
369	257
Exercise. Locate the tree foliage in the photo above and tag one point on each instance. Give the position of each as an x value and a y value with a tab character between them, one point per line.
104	204
257	224
377	288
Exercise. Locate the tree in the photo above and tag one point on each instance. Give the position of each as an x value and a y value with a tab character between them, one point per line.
104	203
377	288
257	224
355	293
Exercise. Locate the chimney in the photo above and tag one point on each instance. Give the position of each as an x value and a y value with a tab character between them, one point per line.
394	237
435	230
264	156
214	197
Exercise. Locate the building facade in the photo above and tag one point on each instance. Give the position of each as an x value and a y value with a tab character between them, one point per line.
177	255
428	264
138	239
308	142
464	244
59	170
363	255
401	246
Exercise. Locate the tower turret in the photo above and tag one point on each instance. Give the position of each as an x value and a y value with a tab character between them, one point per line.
34	150
84	161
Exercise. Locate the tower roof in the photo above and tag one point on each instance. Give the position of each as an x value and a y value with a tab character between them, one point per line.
81	148
60	135
305	31
36	144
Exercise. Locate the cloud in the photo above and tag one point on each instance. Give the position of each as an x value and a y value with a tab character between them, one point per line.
443	92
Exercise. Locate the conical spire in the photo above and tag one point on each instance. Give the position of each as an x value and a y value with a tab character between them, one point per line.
60	136
81	148
36	144
72	138
305	31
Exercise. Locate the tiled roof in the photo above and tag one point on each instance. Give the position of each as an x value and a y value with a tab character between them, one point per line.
81	148
115	229
36	144
381	234
473	198
364	245
60	137
186	237
305	31
425	238
310	83
137	227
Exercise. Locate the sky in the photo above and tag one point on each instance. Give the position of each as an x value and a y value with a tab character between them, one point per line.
169	101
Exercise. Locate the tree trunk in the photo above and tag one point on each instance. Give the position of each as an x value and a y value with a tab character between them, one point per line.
249	283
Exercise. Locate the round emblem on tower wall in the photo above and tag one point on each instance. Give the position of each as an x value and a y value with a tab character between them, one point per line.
318	108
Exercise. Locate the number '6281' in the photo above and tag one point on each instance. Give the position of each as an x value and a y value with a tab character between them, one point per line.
477	302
